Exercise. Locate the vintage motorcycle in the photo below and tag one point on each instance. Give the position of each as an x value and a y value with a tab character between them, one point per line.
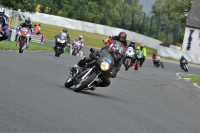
84	77
23	38
129	57
60	42
184	65
157	62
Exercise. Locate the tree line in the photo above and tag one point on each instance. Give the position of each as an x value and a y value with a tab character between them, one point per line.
125	14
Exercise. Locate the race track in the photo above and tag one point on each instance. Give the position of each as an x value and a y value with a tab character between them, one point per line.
33	98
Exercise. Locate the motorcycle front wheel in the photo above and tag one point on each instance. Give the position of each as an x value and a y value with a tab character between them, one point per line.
21	44
69	82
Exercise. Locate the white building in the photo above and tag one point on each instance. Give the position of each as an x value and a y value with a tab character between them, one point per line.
191	40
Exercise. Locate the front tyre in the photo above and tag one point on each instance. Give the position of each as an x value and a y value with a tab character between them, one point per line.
83	84
69	82
127	64
21	44
161	64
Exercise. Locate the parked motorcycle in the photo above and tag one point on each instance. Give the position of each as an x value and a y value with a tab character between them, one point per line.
138	58
60	43
23	38
157	62
129	55
184	65
84	77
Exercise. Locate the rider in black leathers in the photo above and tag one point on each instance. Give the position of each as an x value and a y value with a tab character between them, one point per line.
121	37
181	59
67	39
117	56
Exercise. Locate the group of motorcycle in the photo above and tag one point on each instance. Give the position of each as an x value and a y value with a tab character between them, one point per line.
84	77
132	56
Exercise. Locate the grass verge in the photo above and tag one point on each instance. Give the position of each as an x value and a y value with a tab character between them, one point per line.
91	39
193	77
32	47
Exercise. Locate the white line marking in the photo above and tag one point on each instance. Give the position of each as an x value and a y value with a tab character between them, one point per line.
195	84
177	74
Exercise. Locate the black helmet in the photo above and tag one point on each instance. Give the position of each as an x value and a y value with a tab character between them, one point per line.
182	56
28	20
65	30
122	35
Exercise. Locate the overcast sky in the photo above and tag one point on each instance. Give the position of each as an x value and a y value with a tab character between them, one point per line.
147	5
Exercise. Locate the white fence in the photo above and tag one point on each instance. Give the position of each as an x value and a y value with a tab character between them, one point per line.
107	30
91	27
176	54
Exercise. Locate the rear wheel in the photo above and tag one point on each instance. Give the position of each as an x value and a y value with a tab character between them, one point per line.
83	84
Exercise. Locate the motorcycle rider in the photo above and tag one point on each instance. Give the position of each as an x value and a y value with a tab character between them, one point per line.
142	49
154	57
108	41
132	44
121	37
28	25
181	59
64	32
5	22
117	56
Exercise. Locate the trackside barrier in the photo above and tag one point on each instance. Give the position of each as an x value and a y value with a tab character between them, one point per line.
176	54
36	38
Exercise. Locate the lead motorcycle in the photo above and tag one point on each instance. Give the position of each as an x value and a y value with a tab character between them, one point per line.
129	57
60	42
84	77
23	38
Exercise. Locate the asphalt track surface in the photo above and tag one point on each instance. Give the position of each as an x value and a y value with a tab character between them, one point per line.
33	98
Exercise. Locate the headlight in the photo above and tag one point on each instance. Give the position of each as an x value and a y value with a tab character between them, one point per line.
60	41
104	66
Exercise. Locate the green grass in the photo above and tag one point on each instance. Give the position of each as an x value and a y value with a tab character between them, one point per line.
32	47
193	77
91	39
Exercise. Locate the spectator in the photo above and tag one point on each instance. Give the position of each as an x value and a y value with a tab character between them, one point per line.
37	31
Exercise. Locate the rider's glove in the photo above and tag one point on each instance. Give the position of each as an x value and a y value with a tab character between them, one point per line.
4	28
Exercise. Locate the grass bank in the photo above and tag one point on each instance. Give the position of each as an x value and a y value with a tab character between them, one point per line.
193	77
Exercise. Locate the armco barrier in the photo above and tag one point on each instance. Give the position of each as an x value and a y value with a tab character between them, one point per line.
176	54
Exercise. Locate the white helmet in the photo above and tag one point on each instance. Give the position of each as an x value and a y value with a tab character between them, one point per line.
2	11
80	37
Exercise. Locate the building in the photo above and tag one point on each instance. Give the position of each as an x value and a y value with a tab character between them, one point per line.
191	40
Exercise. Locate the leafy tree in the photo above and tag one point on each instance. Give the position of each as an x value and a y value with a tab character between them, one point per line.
24	5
